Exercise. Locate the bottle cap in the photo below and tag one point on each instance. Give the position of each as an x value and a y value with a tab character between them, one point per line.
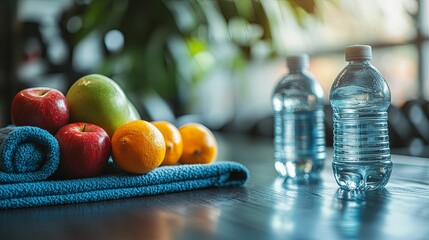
297	61
358	52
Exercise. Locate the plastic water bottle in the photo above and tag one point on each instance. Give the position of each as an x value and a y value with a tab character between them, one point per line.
299	130
360	98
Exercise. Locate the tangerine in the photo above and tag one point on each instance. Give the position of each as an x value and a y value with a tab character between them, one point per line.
199	144
138	147
173	142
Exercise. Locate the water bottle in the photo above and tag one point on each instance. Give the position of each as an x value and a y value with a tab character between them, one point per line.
299	130
360	98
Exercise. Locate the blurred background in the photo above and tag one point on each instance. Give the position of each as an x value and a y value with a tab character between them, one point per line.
217	61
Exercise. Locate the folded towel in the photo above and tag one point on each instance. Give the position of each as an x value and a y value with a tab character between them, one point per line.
27	154
117	185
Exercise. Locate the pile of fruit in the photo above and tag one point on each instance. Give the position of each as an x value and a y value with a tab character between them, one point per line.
95	120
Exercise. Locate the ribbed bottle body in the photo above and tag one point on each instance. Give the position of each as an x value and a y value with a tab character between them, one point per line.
299	143
299	130
360	98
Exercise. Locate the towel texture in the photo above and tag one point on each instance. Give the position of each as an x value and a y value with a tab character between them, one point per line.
117	185
27	154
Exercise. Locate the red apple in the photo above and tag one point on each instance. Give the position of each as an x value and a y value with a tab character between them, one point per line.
84	150
40	107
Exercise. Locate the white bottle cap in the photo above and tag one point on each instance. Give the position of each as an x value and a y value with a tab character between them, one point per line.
297	61
358	52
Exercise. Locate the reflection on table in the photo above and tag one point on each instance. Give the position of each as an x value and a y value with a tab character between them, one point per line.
267	207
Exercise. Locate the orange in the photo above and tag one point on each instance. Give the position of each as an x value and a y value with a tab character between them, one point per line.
199	144
173	142
138	147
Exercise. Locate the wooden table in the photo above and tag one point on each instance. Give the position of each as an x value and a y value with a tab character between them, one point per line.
265	208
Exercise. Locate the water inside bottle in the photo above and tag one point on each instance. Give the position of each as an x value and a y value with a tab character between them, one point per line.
299	144
361	141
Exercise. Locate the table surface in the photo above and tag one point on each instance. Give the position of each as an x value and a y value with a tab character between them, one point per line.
265	208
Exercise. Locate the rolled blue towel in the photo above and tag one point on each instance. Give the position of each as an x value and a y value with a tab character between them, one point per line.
27	154
118	185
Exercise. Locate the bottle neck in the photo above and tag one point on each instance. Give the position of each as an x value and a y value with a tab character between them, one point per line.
359	62
297	70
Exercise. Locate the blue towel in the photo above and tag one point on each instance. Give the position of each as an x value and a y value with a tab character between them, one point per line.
27	154
117	185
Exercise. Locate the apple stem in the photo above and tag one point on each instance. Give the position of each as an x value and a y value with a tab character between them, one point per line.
84	128
42	93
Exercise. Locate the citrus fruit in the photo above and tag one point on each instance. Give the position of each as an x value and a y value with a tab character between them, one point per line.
173	142
138	147
199	144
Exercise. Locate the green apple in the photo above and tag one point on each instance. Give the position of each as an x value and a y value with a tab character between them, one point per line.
99	100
